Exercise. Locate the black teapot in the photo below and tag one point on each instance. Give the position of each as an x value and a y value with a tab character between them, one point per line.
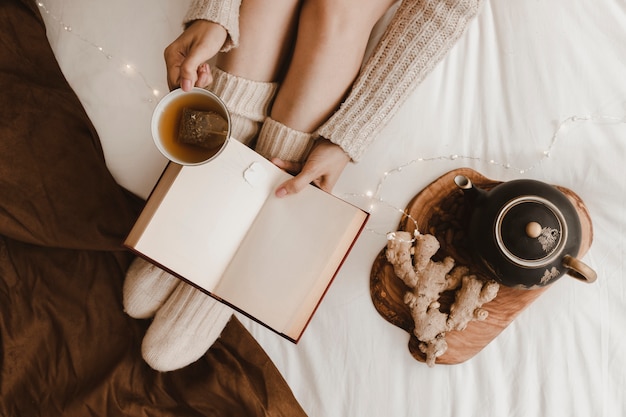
525	232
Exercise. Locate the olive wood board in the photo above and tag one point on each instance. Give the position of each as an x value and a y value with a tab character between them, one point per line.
440	209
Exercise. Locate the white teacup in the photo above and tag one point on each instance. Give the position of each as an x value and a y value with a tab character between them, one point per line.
166	120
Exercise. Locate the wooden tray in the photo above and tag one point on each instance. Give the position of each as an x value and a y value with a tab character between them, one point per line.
440	210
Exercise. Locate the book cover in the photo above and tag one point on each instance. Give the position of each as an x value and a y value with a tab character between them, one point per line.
220	227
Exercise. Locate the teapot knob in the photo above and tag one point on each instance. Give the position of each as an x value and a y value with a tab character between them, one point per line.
533	230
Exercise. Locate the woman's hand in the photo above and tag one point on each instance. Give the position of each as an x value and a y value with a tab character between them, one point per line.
323	167
186	58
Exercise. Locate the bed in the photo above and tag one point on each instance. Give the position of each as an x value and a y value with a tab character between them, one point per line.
532	90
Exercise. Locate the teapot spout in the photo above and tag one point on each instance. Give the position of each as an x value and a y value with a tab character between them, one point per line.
463	182
469	189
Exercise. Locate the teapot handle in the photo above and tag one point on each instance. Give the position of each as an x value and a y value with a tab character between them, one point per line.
579	269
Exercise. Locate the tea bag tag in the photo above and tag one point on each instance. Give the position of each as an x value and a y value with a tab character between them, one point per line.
255	174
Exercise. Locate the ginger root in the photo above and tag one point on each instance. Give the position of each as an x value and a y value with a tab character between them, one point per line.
468	301
427	279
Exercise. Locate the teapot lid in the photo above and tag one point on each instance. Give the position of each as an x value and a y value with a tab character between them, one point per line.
530	231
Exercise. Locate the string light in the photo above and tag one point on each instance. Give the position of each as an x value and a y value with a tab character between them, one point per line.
375	199
373	196
125	66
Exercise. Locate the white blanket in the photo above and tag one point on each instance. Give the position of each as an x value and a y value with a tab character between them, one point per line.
532	90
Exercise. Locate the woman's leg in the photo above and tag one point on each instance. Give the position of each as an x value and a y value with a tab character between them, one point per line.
331	39
246	77
266	33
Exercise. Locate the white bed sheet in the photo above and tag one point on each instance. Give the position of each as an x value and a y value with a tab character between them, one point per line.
535	89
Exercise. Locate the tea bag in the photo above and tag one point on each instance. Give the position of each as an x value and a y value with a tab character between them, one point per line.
207	129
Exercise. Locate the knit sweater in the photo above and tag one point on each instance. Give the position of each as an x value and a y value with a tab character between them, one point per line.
224	12
418	36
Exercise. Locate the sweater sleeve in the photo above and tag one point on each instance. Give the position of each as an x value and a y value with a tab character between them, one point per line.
223	12
419	35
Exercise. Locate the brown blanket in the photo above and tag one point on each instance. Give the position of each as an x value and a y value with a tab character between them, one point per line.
66	347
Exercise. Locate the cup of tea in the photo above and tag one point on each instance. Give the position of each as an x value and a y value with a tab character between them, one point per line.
190	127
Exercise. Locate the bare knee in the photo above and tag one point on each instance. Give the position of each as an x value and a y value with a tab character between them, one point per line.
344	18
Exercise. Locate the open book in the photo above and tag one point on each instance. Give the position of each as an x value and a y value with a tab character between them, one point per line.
219	227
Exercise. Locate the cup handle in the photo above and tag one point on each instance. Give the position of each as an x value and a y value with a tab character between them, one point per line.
579	269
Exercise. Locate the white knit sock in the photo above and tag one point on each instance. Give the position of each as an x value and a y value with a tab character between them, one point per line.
248	102
183	329
146	288
279	141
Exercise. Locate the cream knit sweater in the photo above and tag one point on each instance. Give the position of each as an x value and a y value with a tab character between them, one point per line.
419	35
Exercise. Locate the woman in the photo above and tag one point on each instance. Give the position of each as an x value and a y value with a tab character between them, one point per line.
291	74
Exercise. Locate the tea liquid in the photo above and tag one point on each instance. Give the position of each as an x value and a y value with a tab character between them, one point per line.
169	126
